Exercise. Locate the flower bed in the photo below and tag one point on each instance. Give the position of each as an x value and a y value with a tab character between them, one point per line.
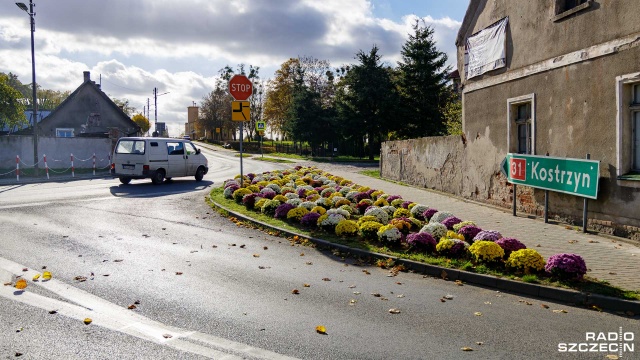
311	198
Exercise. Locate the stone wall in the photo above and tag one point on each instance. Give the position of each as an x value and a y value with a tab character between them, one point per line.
57	150
470	168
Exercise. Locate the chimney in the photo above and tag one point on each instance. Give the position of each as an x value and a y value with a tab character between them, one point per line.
87	76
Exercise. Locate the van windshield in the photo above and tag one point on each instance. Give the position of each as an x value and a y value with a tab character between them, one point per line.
130	147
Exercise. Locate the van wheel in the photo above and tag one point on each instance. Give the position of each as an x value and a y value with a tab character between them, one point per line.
125	180
199	174
158	177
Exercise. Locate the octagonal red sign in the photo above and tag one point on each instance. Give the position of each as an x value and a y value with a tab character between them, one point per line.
240	87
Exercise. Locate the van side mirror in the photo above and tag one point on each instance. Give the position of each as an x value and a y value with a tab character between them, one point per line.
197	151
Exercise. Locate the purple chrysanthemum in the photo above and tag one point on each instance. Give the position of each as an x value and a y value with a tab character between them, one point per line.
282	210
393	197
405	205
488	235
450	221
422	241
249	200
427	214
510	245
569	266
310	219
469	232
362	207
361	196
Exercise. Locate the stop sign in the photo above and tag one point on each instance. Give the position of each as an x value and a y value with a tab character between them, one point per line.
240	87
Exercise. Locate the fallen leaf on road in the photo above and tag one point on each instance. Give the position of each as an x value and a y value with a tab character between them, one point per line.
167	336
487	302
306	285
265	248
357	293
21	284
53	312
36	277
243	246
118	260
326	279
443	300
400	296
394	311
256	255
178	272
612	273
593	241
351	286
596	308
612	357
25	269
366	272
353	302
448	297
309	263
295	291
8	284
46	275
18	354
80	278
105	274
466	348
572	241
479	343
137	302
544	306
87	321
376	294
459	282
477	313
321	330
560	311
443	275
131	307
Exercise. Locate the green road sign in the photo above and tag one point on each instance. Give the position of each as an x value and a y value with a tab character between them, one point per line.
570	176
260	125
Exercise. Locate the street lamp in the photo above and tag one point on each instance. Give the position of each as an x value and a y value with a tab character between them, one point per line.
31	13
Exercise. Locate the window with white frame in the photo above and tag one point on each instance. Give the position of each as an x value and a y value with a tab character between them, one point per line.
64	132
628	126
521	124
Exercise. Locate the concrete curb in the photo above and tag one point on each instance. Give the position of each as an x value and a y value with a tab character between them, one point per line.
570	297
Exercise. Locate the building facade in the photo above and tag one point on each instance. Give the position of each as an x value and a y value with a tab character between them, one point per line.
561	79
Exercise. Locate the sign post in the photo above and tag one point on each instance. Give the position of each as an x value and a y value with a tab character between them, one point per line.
240	88
260	125
578	177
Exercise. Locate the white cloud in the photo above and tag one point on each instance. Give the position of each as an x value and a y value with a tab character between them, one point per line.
178	47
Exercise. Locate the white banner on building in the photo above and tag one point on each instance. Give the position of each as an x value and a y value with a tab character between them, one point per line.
487	49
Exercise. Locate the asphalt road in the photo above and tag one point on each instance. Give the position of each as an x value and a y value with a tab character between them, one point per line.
204	287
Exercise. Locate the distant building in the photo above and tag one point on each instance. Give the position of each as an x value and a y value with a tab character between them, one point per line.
190	127
87	112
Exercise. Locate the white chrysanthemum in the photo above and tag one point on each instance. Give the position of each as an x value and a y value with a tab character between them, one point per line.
351	195
291	196
332	220
440	216
389	209
307	205
436	230
345	190
342	212
380	214
389	234
294	202
274	187
418	210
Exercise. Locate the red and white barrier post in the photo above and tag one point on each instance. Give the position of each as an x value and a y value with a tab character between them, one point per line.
46	167
17	167
94	164
72	168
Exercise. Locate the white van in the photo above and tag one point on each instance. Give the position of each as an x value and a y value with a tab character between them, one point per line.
157	158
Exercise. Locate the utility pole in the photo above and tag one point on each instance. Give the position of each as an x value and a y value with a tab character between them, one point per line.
155	105
34	106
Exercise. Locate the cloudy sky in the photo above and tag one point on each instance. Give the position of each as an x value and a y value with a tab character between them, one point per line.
179	46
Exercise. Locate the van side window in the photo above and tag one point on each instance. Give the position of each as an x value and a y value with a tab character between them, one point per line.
130	147
175	148
153	143
191	149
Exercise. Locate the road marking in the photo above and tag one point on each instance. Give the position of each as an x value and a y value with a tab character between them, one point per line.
113	317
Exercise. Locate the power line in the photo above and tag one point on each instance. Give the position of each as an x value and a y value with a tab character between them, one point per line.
120	86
